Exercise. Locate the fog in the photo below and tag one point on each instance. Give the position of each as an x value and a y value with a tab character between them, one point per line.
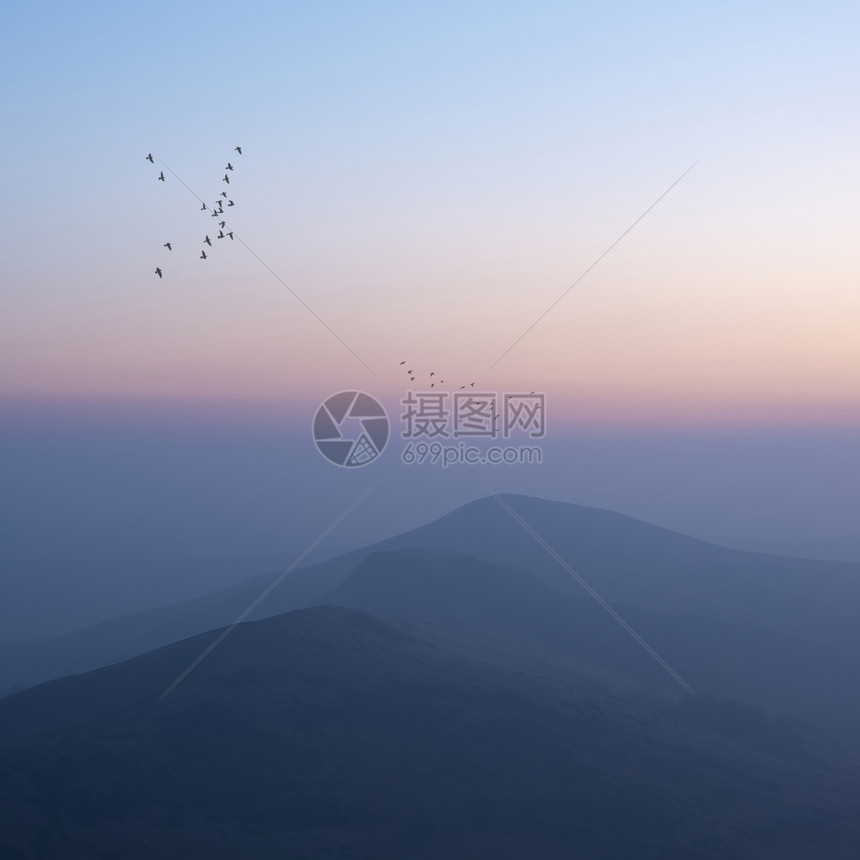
109	517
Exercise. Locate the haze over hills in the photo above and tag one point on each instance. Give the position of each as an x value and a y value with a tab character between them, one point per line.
777	632
327	733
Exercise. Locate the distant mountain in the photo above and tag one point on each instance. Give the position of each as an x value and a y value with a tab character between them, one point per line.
741	624
327	733
496	612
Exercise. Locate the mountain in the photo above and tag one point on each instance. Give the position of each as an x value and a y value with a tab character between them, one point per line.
777	632
497	612
328	733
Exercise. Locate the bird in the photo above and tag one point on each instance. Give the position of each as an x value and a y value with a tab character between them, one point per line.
462	387
216	213
432	374
220	234
150	158
403	362
168	245
208	242
239	150
158	272
161	176
222	224
230	203
223	193
231	236
202	255
432	384
226	179
229	166
202	207
471	385
412	379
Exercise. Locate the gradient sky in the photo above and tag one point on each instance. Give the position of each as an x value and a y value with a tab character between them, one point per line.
429	178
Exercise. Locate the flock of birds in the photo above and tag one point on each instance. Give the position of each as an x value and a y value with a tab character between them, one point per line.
494	412
217	210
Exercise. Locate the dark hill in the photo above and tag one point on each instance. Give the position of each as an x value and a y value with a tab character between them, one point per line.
327	733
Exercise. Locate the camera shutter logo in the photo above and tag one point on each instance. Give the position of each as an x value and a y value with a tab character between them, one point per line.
351	428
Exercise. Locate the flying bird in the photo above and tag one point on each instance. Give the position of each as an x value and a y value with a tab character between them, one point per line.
222	224
158	272
206	240
161	176
168	246
226	179
223	193
150	158
403	362
239	150
229	166
202	255
231	236
202	207
230	203
432	374
220	234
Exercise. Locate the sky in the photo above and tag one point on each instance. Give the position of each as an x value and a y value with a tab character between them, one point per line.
423	182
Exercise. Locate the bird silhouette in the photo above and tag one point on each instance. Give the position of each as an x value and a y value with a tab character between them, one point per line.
161	176
432	374
202	255
220	234
223	193
150	158
209	243
239	150
168	246
216	213
231	236
158	272
229	166
403	362
412	379
202	207
230	203
222	224
226	179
